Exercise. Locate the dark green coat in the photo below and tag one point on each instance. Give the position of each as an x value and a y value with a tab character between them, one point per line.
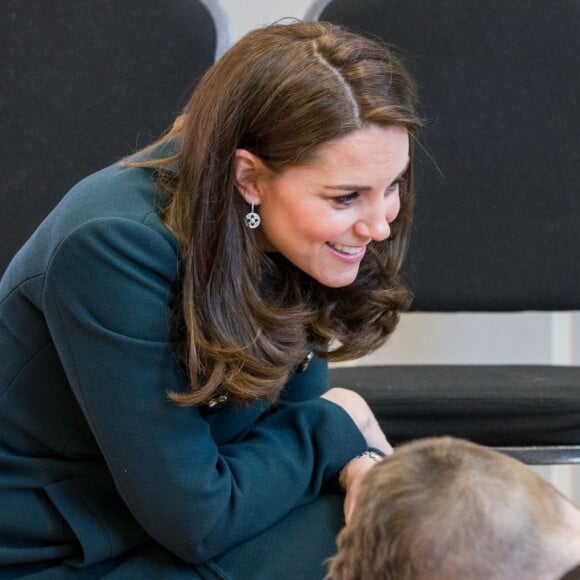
98	470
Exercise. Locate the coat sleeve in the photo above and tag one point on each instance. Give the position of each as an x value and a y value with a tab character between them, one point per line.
107	300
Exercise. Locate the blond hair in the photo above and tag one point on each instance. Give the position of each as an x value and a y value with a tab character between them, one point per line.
448	509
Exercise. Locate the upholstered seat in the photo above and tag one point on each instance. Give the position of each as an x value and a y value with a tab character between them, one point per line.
497	226
86	83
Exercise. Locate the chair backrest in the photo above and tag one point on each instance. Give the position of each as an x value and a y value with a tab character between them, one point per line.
497	224
84	83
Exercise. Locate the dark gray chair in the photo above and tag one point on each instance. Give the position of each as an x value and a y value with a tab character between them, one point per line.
84	83
497	224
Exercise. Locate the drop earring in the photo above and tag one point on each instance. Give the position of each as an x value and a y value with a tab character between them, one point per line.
253	219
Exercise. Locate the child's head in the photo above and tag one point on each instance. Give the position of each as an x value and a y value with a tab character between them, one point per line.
447	509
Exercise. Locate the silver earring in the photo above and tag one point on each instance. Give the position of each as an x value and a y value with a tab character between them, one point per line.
253	219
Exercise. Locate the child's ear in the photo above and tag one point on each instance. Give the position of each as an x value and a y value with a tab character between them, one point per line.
248	173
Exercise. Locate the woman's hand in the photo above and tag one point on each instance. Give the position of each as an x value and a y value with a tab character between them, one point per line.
362	415
351	478
354	471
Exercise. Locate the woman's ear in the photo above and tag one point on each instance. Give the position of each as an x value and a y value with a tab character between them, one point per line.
248	172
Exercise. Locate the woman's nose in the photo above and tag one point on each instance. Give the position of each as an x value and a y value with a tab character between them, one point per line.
375	228
375	224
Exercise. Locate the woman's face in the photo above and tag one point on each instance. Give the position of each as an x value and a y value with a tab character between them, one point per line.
321	216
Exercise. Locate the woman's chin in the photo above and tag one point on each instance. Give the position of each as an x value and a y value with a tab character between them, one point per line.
337	280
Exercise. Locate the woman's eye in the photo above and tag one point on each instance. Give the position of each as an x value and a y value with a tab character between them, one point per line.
345	199
396	184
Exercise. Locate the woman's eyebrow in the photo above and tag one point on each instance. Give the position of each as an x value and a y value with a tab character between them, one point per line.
347	187
352	187
405	169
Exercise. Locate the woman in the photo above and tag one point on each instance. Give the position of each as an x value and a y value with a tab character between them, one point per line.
161	416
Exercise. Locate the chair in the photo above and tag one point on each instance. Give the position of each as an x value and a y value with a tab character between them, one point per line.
497	224
85	82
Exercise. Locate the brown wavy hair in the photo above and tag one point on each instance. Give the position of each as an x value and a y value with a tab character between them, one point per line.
248	316
446	509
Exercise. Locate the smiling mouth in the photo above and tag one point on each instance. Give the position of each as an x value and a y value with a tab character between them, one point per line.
346	250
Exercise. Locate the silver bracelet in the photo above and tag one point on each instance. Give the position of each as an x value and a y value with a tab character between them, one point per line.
374	455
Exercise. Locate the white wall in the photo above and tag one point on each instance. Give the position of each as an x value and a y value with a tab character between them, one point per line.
244	15
452	338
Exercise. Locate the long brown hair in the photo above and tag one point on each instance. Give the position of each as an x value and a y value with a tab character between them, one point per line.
247	316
